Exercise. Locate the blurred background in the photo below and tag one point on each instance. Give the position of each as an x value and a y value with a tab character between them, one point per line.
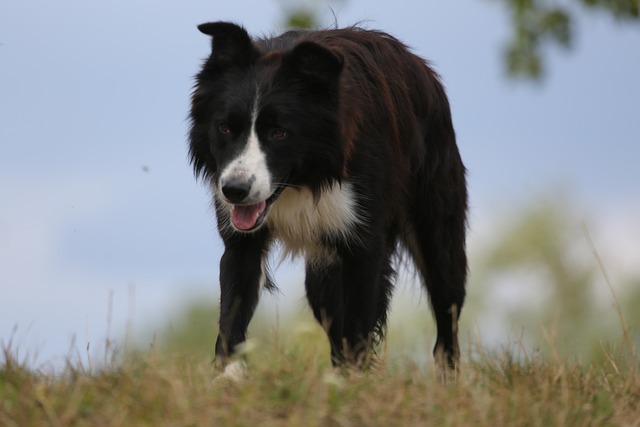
107	240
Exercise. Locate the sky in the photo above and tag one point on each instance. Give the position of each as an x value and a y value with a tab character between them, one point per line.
103	226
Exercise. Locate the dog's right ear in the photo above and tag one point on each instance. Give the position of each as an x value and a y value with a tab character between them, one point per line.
230	44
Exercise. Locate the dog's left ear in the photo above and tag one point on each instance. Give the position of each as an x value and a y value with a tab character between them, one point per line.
230	44
310	60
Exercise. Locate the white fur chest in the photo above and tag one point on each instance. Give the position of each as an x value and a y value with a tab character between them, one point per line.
299	221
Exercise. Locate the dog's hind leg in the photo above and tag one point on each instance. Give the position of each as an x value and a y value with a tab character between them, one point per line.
435	237
440	256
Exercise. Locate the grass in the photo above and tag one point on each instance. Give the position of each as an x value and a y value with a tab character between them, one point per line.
291	383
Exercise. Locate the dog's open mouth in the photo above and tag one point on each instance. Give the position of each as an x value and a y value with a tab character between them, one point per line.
251	217
248	217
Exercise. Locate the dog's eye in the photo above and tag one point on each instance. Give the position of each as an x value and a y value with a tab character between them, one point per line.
223	128
279	134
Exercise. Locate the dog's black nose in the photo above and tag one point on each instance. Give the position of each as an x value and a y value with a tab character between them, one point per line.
236	190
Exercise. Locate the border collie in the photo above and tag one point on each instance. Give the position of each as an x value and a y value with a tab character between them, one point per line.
339	145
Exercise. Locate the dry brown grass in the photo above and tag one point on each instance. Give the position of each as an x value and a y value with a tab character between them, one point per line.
293	385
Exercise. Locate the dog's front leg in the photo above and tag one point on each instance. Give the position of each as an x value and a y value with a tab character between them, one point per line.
367	277
240	276
325	294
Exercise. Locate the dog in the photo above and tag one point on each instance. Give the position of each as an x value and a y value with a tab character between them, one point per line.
339	144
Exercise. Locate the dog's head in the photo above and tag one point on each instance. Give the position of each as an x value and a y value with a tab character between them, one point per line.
264	116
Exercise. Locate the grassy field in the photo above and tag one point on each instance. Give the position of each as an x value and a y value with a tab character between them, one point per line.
291	383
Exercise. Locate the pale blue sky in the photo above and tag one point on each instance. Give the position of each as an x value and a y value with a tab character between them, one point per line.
97	194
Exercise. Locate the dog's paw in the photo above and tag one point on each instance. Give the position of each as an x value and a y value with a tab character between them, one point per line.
235	371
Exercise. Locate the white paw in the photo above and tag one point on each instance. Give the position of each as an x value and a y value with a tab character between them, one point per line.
235	371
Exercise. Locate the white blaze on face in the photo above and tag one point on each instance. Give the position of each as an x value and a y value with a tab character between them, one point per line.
250	170
250	166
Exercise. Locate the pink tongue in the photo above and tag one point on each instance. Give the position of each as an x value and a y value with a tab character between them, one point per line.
244	217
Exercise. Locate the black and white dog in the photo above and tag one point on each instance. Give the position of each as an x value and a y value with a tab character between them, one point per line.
338	144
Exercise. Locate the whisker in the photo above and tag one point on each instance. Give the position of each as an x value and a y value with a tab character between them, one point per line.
287	185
